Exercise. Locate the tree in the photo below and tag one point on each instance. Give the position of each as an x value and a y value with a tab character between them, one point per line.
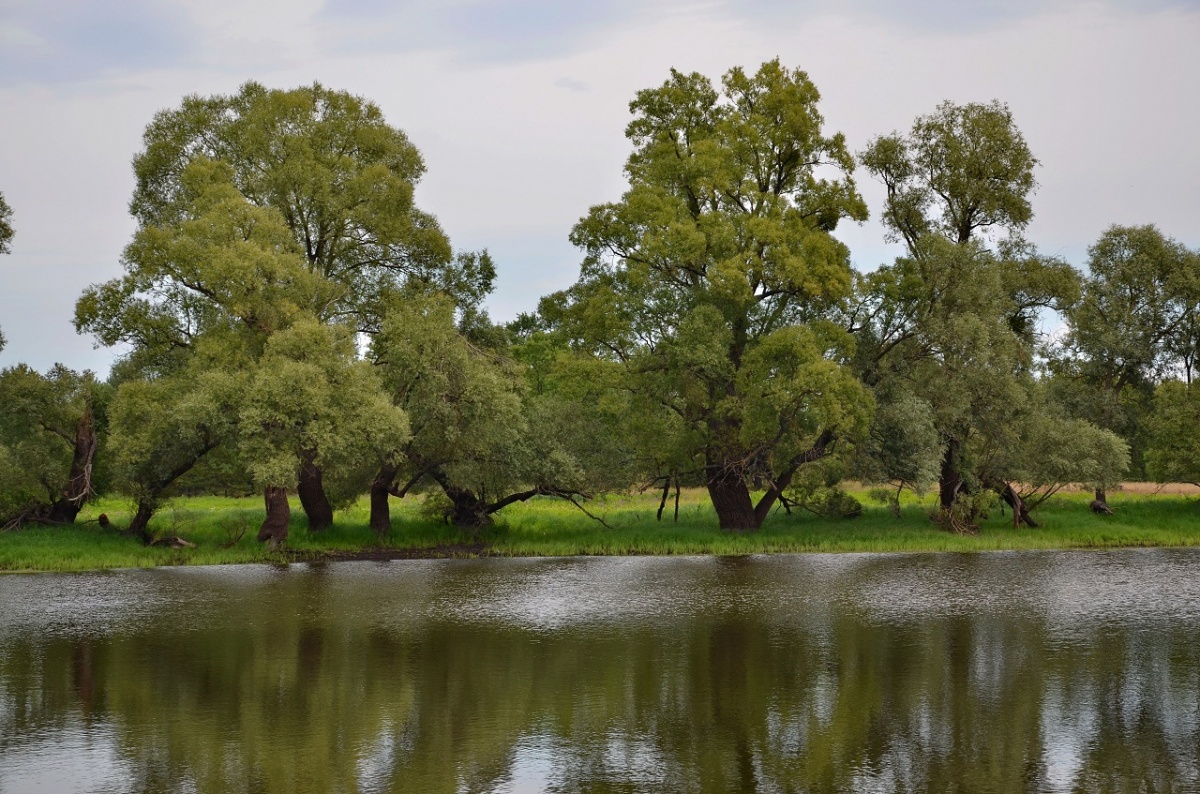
161	428
207	291
312	176
953	322
1133	325
6	229
1173	433
6	235
478	434
309	402
710	282
48	443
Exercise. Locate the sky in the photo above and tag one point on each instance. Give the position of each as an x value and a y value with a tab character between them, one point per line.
519	108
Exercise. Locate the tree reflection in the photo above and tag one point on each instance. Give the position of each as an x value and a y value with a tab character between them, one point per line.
298	685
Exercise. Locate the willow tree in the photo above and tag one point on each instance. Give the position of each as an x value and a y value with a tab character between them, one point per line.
953	321
709	282
480	436
1134	325
48	443
206	293
339	179
309	402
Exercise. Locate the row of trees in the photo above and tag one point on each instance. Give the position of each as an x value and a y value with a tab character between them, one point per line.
293	322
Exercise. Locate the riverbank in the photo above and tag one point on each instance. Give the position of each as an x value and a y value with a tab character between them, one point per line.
223	531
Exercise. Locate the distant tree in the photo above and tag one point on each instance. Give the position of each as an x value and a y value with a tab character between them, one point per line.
1133	325
6	229
711	280
6	235
1173	433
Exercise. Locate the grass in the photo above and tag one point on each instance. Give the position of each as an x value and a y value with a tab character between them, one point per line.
546	527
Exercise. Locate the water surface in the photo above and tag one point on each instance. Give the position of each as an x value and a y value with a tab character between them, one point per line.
998	672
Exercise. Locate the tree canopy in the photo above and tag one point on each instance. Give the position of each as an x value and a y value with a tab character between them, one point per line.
710	281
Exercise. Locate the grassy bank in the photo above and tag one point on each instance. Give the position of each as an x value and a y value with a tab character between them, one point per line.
546	527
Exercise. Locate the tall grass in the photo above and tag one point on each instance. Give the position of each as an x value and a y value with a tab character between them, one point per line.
224	532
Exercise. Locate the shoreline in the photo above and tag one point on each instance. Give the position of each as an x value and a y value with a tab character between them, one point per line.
222	530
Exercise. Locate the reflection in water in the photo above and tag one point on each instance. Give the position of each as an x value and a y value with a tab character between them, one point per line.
875	673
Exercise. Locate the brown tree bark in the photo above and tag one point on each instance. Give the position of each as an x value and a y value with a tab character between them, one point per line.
950	482
79	479
312	496
274	529
731	499
381	489
1020	510
469	510
139	526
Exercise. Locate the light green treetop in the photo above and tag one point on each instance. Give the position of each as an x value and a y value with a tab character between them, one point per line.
709	279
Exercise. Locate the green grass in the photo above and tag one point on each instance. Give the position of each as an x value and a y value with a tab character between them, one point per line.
547	527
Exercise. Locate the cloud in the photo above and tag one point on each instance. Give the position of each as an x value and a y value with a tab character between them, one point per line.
476	31
578	86
50	41
932	16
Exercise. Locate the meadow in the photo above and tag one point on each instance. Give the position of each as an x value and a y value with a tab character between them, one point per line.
223	531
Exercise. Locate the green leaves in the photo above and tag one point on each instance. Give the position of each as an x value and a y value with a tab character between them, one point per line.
962	169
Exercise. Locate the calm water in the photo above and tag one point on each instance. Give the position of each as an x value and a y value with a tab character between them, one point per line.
1006	672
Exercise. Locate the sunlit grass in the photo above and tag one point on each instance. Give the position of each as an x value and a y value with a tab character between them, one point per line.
548	527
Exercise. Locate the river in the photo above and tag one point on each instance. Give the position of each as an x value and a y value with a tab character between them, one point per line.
991	672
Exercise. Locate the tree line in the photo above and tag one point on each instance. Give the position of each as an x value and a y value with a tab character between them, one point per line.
291	322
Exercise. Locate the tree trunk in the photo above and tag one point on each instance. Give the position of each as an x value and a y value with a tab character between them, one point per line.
381	486
1020	510
731	499
950	482
140	525
1102	498
274	529
662	504
79	480
312	496
469	511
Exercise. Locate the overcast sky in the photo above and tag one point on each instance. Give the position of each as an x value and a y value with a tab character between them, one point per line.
519	108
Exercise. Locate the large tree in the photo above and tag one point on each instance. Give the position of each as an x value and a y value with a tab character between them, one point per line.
318	167
709	281
207	293
953	322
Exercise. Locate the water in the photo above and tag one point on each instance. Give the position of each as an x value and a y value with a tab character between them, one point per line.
1004	672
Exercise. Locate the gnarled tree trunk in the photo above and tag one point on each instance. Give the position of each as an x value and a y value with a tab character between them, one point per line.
79	480
274	529
469	510
312	496
1020	510
731	499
